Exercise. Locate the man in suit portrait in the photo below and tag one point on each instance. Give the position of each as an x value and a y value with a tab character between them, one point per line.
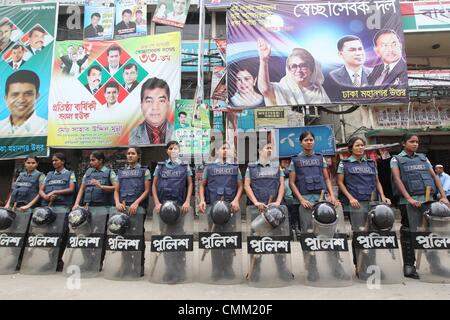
393	68
353	73
6	28
126	26
113	54
36	39
72	61
17	59
94	79
130	73
94	29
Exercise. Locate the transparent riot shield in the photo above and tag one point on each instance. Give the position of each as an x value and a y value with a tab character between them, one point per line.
269	250
124	258
43	245
171	259
376	251
85	246
12	241
325	251
220	255
431	241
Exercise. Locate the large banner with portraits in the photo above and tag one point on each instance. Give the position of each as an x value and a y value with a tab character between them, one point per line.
282	53
114	93
27	37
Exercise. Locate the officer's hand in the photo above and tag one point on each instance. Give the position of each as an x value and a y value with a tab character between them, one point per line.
24	208
185	208
261	206
355	203
235	206
157	207
336	203
414	203
96	183
202	207
76	206
306	204
120	207
133	209
445	200
386	200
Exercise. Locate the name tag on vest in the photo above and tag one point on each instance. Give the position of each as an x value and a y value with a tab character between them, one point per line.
415	167
129	173
52	182
361	169
23	184
170	174
223	171
309	162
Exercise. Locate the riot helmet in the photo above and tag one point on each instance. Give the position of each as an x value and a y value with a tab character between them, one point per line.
170	212
382	217
7	217
324	212
220	212
79	217
436	209
43	216
119	223
274	216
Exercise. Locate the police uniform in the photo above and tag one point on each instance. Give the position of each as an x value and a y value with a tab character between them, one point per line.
292	204
360	181
26	188
131	187
172	186
54	181
265	184
222	184
415	175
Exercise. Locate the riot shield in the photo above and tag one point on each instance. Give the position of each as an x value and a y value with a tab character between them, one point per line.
171	259
431	241
220	244
85	245
269	249
124	258
325	250
12	241
43	244
375	246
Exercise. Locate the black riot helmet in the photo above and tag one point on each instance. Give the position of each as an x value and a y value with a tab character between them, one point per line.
435	209
43	216
220	212
7	217
274	216
119	223
382	217
324	212
79	217
170	212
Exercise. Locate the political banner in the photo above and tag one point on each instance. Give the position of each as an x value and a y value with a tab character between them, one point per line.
192	128
27	37
271	117
130	19
285	53
172	12
98	21
116	93
289	144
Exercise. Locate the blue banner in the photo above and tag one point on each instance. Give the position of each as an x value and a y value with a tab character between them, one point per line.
289	145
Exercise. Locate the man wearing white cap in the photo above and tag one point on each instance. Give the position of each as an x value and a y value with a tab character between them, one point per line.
445	179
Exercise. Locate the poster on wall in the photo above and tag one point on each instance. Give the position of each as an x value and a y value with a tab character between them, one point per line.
285	53
117	93
131	19
172	12
98	21
27	37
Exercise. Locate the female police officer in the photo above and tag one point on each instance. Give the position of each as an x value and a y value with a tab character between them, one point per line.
411	174
358	181
58	189
172	181
25	193
221	180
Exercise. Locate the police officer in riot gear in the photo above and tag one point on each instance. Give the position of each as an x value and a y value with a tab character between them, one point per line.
290	200
25	192
97	189
134	187
264	183
172	180
412	172
59	188
357	178
308	177
221	180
